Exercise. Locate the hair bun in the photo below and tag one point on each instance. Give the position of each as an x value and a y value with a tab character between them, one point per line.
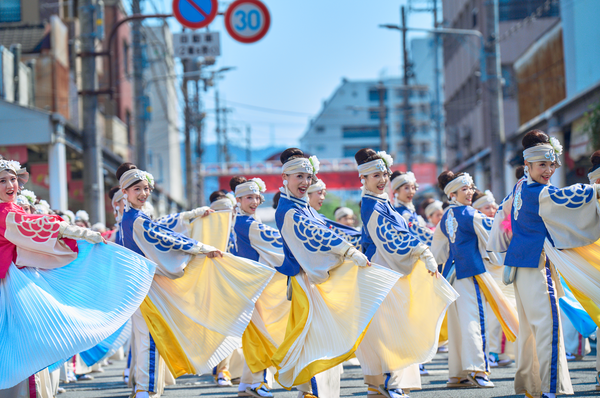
595	159
235	181
365	155
290	154
534	138
124	168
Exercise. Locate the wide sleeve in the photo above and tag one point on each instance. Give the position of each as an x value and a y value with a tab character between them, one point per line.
440	246
482	226
268	243
38	240
169	250
571	215
424	234
176	223
316	248
396	246
501	233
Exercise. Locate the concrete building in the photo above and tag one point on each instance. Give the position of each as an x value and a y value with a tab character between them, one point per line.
162	130
349	121
468	137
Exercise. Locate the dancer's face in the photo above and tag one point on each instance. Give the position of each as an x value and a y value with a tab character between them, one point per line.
464	195
436	217
489	209
138	193
348	220
541	171
316	199
249	203
9	186
406	192
298	183
376	182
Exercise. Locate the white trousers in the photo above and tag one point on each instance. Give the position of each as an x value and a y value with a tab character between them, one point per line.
575	343
324	385
542	365
38	385
497	342
408	378
467	344
147	366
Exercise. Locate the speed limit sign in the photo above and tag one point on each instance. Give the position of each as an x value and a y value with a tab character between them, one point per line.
247	21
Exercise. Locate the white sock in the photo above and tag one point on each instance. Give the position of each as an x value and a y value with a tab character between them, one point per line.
242	386
550	394
255	385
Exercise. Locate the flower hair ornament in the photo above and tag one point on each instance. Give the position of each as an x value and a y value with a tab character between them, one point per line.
15	168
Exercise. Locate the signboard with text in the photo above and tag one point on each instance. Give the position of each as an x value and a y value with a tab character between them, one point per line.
189	45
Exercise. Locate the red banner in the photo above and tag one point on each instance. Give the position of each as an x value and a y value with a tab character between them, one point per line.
426	173
38	174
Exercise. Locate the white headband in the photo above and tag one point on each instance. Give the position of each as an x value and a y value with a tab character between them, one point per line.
343	212
132	176
433	207
254	186
15	167
486	199
378	165
317	186
545	152
227	203
594	175
464	180
402	179
302	165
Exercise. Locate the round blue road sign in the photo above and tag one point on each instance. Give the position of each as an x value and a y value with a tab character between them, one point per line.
195	14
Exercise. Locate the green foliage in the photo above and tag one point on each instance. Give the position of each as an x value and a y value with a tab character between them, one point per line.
592	126
332	202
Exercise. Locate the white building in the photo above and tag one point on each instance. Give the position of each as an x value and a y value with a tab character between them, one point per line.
350	121
162	131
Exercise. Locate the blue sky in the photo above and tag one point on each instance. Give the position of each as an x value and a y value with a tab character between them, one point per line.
311	46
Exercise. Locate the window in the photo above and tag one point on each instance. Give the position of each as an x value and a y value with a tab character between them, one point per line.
128	124
374	94
125	58
350	151
511	10
320	148
10	10
425	147
320	129
374	113
360	132
474	13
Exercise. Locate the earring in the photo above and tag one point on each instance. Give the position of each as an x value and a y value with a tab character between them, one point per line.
362	181
285	182
526	171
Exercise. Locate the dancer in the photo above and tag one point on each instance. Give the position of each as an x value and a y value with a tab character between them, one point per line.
316	194
41	321
404	186
414	310
259	242
175	319
544	219
333	300
463	233
345	216
434	211
485	203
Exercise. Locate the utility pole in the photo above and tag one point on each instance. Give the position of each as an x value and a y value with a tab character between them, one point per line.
225	140
382	115
198	122
93	172
248	145
188	140
218	115
494	103
436	82
406	128
138	86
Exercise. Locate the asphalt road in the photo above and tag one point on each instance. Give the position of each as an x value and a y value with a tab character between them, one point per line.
110	384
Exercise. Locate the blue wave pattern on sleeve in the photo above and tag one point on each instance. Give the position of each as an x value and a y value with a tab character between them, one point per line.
314	238
572	197
169	221
394	242
165	240
487	223
270	235
424	235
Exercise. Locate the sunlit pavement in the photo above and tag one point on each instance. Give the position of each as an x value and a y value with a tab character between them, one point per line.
110	383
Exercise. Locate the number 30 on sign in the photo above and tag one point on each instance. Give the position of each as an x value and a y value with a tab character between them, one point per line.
247	21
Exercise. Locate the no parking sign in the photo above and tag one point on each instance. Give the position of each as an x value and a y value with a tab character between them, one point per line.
247	21
195	14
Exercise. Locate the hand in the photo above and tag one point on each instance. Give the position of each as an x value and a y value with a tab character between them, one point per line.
359	259
436	274
104	240
207	212
214	254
